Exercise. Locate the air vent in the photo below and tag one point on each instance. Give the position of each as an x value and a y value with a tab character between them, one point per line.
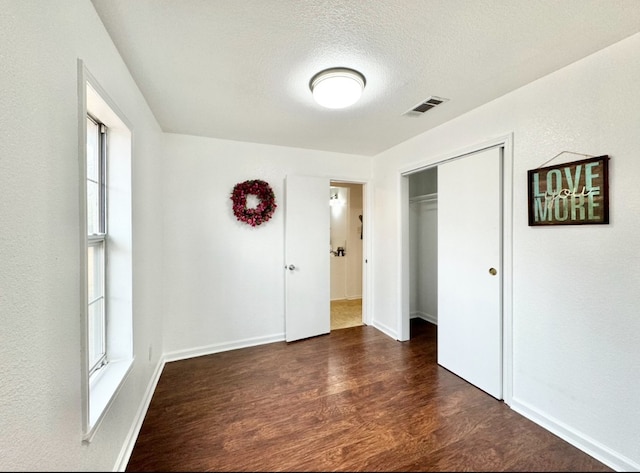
428	104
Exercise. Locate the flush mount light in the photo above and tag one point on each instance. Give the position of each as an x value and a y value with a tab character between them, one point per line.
337	87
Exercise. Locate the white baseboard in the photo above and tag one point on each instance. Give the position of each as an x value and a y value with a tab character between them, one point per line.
384	329
220	347
346	298
132	436
583	442
423	315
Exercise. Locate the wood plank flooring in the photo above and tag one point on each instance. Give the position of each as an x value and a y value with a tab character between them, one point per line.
353	400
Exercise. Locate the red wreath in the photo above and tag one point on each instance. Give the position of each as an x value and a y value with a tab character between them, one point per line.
265	208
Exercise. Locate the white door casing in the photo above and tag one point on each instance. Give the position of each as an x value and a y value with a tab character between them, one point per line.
306	265
469	249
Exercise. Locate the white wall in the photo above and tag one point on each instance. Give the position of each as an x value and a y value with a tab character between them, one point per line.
338	215
355	244
40	408
424	182
575	288
224	280
576	360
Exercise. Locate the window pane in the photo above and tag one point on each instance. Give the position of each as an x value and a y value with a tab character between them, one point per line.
95	270
97	314
93	208
94	178
96	346
93	149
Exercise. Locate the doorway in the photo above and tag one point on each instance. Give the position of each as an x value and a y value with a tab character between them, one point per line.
456	332
346	254
307	261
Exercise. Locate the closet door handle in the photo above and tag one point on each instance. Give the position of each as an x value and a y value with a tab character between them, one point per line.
493	271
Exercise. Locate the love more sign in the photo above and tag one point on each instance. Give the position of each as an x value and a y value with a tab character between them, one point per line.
570	194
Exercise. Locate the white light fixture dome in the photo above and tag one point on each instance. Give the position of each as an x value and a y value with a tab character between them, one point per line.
337	87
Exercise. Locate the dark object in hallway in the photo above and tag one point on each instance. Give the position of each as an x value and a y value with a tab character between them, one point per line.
353	400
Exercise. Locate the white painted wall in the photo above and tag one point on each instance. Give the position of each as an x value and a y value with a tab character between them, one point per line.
576	359
346	271
224	280
40	408
575	288
424	182
355	245
338	215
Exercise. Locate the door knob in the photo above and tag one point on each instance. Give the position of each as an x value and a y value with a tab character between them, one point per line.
291	267
493	271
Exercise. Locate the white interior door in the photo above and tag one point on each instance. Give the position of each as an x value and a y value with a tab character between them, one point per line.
307	279
470	269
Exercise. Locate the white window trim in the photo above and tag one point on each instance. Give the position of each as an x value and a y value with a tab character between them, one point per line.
100	390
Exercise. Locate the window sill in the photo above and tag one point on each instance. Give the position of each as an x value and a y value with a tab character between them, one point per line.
103	388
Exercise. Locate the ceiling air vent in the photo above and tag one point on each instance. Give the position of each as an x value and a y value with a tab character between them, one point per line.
428	104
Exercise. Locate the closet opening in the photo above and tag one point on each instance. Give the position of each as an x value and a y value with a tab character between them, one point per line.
423	245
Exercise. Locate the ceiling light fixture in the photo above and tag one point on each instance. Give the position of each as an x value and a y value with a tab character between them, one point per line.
337	87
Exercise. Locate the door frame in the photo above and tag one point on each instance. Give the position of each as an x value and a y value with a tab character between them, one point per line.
506	142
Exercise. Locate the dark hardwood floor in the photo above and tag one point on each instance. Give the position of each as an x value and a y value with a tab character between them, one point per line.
353	400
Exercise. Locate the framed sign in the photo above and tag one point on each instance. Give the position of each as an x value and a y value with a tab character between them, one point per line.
570	194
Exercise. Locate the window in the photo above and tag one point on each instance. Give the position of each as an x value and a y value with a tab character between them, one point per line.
96	243
106	256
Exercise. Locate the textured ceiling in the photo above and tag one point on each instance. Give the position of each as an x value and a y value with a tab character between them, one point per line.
240	69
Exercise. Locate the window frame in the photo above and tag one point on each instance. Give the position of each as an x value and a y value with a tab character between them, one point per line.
100	387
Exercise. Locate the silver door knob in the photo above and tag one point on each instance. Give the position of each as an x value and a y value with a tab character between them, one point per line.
291	267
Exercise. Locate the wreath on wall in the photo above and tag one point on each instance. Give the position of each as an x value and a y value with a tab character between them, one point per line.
265	208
